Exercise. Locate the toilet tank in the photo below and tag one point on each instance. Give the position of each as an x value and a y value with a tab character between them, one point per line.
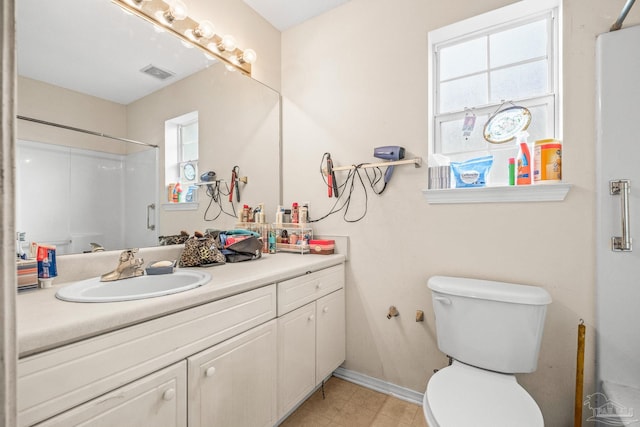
491	325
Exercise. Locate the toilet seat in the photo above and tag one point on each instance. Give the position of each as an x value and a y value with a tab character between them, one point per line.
461	395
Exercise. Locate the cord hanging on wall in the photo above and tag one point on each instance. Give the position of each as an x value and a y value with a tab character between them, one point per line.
348	186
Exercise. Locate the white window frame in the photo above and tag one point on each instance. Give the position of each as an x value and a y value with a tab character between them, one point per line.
173	148
182	125
516	14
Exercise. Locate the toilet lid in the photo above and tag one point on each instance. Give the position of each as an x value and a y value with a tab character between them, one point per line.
461	395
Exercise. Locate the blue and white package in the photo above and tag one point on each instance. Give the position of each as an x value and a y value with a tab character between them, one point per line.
473	172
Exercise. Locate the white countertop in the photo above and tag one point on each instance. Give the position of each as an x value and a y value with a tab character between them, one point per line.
44	322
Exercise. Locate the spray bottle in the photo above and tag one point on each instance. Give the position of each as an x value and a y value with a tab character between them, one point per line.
523	160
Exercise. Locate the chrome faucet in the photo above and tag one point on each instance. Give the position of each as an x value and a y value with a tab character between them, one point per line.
96	247
128	266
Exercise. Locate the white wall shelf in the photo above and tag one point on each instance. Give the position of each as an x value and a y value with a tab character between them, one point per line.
505	194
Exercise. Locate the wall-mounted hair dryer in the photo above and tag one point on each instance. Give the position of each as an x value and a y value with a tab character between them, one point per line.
389	152
208	176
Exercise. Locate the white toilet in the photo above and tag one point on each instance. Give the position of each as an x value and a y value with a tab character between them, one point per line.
492	330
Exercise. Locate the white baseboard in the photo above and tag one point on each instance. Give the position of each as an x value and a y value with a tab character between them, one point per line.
379	385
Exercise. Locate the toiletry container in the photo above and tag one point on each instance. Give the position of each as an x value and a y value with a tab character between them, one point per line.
547	161
492	330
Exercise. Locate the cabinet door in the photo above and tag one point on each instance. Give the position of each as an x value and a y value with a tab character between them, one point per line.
158	400
330	334
296	356
234	383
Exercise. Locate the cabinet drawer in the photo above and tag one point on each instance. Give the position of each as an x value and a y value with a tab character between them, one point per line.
158	400
55	380
302	290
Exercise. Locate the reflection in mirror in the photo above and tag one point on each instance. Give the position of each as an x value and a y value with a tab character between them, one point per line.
74	189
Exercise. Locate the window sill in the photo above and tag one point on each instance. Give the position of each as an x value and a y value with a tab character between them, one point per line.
506	194
183	206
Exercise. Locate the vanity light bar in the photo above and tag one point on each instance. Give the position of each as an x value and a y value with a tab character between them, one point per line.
153	12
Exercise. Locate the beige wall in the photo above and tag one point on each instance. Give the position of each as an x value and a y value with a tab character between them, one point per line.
355	78
238	123
250	30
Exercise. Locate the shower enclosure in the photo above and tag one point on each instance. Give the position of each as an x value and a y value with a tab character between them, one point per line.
618	220
71	197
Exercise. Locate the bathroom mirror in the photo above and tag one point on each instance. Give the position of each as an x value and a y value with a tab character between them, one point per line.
80	64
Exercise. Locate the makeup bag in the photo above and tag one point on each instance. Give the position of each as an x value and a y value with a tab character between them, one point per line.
201	252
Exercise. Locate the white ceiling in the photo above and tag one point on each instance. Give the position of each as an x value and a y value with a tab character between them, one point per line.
105	61
284	14
99	50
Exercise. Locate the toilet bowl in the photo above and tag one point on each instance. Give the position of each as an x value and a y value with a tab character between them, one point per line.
491	330
463	396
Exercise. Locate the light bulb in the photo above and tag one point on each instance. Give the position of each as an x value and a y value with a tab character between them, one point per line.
249	56
177	11
205	29
228	44
230	67
136	3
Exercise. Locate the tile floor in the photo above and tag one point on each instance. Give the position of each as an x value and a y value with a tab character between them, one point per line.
350	405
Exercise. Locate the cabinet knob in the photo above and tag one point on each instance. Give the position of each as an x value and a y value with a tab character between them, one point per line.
325	310
319	286
310	318
169	394
210	371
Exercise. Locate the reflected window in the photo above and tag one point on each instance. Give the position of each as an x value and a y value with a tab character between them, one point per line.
181	158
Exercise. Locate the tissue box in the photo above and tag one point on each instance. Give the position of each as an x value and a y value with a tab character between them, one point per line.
322	247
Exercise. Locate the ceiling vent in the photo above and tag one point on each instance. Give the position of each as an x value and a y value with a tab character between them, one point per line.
156	72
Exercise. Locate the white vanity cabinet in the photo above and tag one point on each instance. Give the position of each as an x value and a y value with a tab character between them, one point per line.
234	383
54	381
158	400
311	333
242	360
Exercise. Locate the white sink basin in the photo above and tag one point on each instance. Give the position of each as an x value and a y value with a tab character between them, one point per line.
149	286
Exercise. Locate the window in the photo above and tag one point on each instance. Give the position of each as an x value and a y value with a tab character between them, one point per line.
188	141
181	157
486	63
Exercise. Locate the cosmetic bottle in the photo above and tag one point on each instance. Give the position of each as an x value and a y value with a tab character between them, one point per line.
272	241
295	213
512	171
